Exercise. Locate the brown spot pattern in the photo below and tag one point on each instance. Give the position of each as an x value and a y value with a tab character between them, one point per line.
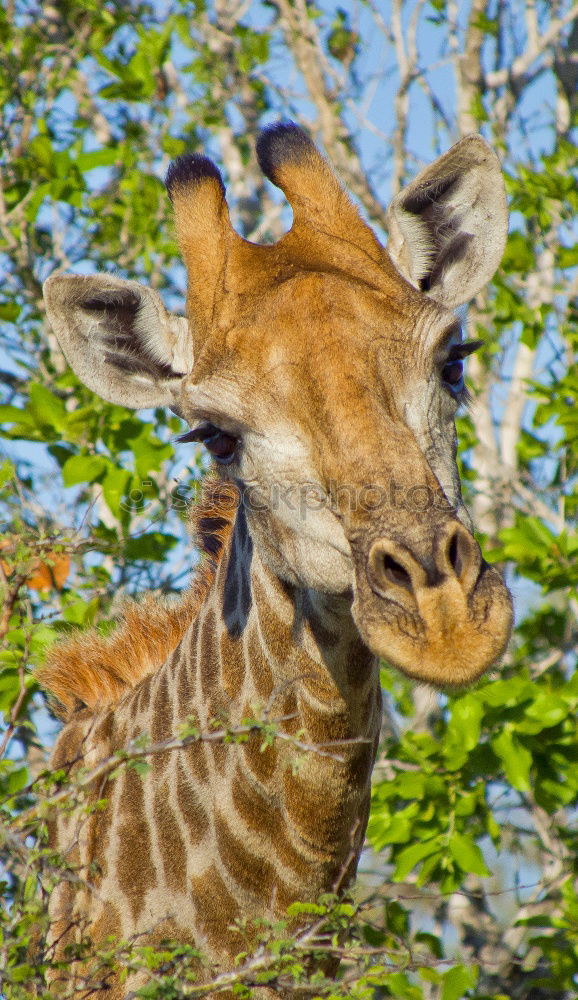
265	818
68	746
207	658
192	810
171	844
185	686
142	698
193	761
134	868
319	819
261	764
259	812
323	728
286	708
162	713
252	873
359	665
217	909
161	726
101	824
103	729
233	666
107	924
278	637
259	667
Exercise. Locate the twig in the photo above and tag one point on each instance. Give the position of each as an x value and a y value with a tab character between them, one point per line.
133	753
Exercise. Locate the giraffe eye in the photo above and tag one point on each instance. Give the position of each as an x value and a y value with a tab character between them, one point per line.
453	370
219	444
453	375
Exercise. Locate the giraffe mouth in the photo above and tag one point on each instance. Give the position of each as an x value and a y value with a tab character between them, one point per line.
443	620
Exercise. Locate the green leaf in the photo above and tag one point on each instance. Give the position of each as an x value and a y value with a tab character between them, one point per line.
7	472
115	484
401	988
83	469
17	780
97	158
463	731
46	409
9	311
153	546
14	415
9	687
545	711
467	854
396	918
411	856
516	759
432	942
457	981
80	612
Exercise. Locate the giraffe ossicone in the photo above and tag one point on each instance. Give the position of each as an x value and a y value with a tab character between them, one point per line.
323	372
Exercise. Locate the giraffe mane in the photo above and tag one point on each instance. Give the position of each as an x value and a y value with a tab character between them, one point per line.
89	670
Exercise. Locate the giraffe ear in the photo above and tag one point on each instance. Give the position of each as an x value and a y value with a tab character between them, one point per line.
448	228
119	339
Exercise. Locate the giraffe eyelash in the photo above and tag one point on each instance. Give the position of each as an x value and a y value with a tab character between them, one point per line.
460	351
221	445
452	372
465	398
463	350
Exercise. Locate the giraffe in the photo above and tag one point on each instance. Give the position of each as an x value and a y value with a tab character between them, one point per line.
322	373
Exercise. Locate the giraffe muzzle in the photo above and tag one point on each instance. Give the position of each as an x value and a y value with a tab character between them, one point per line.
443	616
396	574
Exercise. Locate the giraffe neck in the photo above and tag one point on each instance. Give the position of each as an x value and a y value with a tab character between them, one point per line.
215	833
289	650
296	655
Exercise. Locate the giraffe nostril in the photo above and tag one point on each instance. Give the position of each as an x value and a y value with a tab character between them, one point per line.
394	572
459	556
454	555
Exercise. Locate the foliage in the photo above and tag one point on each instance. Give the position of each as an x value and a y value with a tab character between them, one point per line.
470	889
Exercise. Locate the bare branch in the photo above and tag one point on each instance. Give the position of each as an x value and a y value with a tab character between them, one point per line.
539	47
303	40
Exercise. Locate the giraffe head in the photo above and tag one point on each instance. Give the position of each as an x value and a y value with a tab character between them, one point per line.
323	374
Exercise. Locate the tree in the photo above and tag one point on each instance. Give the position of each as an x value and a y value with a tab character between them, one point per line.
470	889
